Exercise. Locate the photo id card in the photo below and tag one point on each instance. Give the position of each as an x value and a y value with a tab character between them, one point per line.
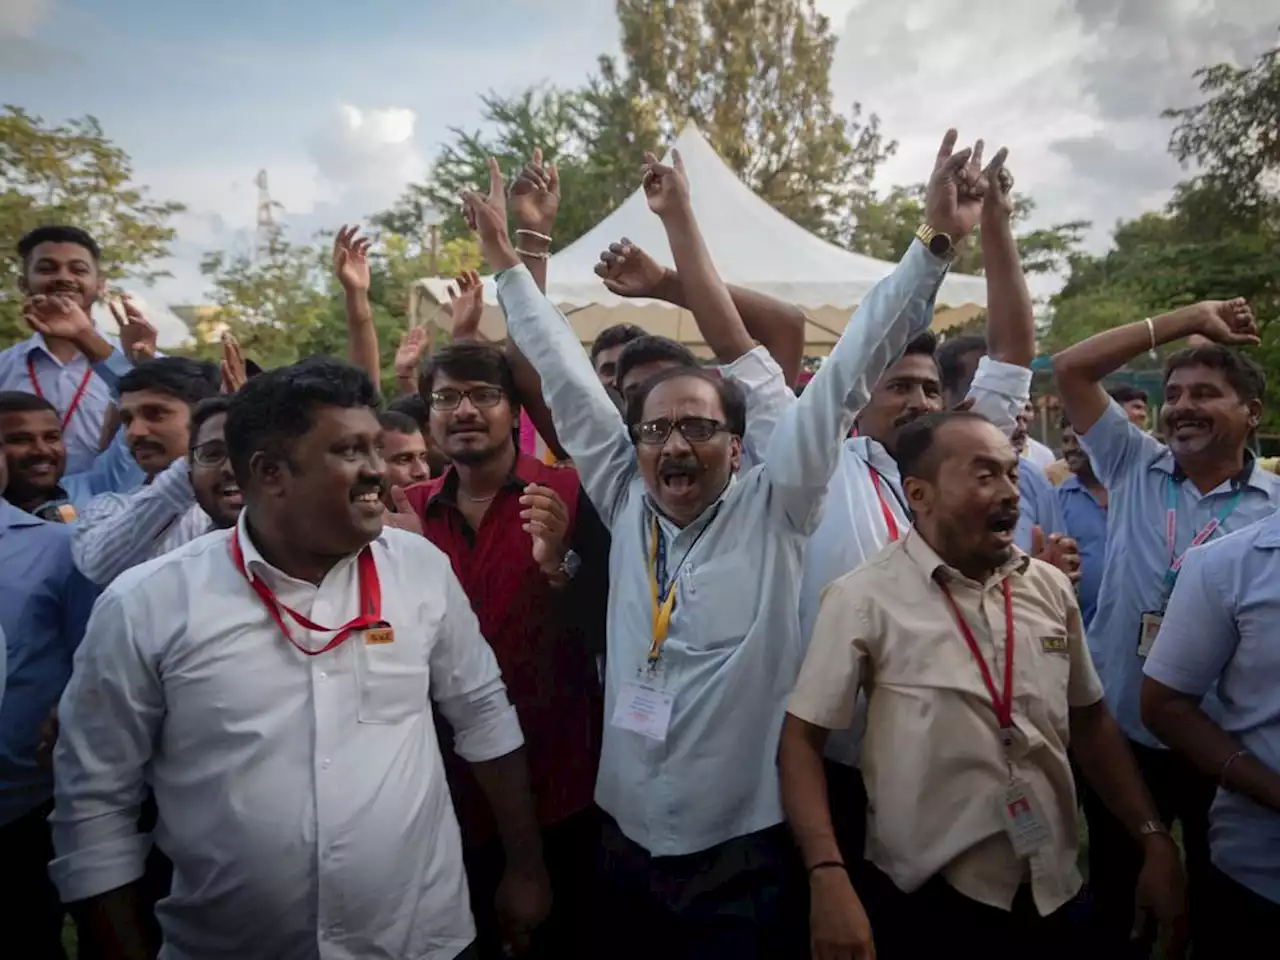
1023	819
644	709
1147	633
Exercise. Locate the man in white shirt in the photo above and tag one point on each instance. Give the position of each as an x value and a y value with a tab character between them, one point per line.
295	766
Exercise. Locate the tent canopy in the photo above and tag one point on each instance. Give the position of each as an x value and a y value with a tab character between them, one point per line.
753	246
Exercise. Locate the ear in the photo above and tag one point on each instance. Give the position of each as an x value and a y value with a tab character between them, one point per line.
1255	413
735	454
919	494
268	474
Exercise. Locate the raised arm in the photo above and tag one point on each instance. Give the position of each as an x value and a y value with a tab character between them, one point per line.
628	271
806	444
116	532
589	425
351	267
535	199
114	469
1080	369
110	717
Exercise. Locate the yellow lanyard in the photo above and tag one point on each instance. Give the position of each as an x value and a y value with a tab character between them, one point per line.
663	605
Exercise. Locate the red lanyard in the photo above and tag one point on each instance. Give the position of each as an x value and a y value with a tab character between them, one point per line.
1003	705
370	600
75	401
890	520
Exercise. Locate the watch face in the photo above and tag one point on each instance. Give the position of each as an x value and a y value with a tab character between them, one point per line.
939	244
572	564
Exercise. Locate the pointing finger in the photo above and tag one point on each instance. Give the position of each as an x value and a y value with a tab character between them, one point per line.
495	177
955	163
400	500
977	152
948	144
1037	541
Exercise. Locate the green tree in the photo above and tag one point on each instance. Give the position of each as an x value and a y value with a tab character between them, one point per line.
73	174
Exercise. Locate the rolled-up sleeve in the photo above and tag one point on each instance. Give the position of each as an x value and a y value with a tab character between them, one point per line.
1198	634
112	369
110	715
805	448
1115	444
768	398
999	392
466	683
587	422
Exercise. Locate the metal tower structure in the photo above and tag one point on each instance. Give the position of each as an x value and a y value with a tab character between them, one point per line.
268	227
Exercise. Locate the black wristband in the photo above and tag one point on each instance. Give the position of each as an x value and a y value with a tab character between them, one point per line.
827	865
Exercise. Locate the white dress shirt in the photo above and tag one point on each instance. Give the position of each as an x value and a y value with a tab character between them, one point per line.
734	647
302	799
117	531
1038	453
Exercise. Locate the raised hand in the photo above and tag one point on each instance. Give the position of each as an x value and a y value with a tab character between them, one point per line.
137	335
467	302
546	520
535	196
953	198
486	214
57	316
351	259
1229	322
234	375
998	200
413	343
403	517
1057	550
666	187
628	271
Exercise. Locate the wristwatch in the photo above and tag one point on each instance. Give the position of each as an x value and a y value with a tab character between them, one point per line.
571	564
1153	828
939	243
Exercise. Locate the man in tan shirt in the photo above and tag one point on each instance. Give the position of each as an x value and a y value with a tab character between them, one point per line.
974	661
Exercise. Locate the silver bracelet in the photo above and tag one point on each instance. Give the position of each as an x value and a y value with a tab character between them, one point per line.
1151	329
533	233
1226	764
531	254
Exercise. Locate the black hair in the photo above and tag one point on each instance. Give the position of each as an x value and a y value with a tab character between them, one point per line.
398	422
926	344
413	407
649	349
205	411
19	401
469	360
1127	394
180	377
914	447
615	336
951	355
732	399
57	234
273	409
1244	375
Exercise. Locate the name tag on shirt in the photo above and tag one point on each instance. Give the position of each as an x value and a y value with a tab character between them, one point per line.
379	635
1055	643
1023	820
1147	632
643	709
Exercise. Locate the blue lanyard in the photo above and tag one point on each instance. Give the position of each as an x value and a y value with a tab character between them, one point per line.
1171	527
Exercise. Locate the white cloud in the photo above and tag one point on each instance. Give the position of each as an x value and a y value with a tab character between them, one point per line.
20	18
369	154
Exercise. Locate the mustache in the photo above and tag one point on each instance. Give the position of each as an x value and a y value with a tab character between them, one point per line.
683	466
379	486
1004	517
38	460
139	446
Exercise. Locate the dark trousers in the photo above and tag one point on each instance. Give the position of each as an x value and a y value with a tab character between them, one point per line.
938	921
1237	921
30	911
1182	794
570	849
744	899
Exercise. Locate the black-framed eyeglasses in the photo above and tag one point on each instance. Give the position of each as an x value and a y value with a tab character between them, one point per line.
211	453
693	429
483	398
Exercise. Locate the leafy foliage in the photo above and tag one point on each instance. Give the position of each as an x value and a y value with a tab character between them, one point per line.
72	174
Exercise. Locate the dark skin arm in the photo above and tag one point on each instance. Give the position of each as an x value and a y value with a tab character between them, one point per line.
116	923
351	267
1176	718
1011	332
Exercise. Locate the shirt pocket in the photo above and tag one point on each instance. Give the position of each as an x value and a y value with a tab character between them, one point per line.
391	681
723	596
1044	676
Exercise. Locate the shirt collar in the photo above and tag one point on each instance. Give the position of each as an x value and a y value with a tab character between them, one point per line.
254	561
933	566
1248	475
1269	533
12	518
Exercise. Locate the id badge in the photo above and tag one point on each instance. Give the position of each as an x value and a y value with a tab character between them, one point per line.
1147	634
644	709
1023	820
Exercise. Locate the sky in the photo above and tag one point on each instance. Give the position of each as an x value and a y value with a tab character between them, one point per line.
344	103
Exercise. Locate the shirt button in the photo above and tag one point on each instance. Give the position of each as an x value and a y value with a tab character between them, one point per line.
323	675
324	764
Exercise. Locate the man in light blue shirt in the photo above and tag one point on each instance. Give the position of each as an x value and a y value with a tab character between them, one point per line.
695	695
1220	631
1084	510
1163	500
44	606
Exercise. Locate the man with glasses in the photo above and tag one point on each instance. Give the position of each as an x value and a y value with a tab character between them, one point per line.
532	557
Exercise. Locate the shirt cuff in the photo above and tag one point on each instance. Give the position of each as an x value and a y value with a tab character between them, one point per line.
93	871
1010	379
485	726
175	484
112	369
753	369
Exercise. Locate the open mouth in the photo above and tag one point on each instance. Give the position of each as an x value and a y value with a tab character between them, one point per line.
1002	526
1190	427
679	478
231	494
41	469
367	496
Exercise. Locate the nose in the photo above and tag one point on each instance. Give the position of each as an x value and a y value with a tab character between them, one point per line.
44	448
916	400
136	429
676	443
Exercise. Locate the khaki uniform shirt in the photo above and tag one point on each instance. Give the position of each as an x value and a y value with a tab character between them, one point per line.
932	758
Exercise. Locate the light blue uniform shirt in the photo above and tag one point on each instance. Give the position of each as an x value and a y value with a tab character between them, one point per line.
58	384
44	606
734	648
1221	629
1037	506
1136	468
1086	521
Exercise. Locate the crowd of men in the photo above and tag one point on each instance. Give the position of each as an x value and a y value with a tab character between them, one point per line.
751	671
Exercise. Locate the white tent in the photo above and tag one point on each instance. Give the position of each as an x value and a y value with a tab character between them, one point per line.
753	246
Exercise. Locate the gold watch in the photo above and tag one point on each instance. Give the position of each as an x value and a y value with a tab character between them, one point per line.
939	243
